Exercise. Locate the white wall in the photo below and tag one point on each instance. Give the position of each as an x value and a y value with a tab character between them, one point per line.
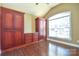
27	23
0	4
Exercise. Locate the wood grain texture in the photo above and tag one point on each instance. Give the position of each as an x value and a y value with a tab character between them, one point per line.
28	38
7	41
35	36
20	46
12	28
41	27
44	48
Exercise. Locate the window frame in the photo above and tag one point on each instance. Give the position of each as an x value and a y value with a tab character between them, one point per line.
65	39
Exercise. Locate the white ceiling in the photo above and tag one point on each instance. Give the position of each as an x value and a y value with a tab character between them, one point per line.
38	10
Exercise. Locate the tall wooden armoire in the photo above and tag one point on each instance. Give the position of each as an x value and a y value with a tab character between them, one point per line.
11	28
41	28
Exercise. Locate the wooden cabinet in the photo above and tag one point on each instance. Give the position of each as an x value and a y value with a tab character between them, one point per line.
19	40
18	22
28	38
7	41
35	37
0	30
41	28
11	28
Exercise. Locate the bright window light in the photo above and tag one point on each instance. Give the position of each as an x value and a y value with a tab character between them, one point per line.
60	25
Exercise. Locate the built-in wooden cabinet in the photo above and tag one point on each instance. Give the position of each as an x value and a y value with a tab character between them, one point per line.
11	28
41	28
0	30
28	38
35	36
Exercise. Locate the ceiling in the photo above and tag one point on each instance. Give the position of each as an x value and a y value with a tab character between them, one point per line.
37	9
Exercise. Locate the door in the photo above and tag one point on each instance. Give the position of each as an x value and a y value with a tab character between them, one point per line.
7	29
41	28
19	29
8	39
18	38
12	28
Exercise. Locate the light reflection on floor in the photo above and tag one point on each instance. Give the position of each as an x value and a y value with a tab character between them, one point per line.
57	51
44	48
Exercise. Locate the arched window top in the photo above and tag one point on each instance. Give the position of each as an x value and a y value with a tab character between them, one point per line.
59	15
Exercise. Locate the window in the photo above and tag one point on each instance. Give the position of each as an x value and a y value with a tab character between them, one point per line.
60	25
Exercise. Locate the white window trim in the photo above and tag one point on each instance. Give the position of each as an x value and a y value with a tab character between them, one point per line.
63	16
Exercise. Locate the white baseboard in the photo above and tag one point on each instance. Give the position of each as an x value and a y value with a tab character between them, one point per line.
70	44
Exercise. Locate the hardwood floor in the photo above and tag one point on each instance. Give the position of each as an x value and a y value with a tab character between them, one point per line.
44	48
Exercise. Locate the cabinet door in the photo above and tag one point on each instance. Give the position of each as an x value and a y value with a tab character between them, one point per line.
37	24
35	37
28	38
19	29
7	29
41	28
8	20
12	28
8	39
18	38
18	21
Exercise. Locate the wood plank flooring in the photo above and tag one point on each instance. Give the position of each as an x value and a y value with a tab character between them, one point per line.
44	48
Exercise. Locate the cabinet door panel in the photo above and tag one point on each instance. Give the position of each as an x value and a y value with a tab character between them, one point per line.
18	38
37	24
7	41
8	21
28	38
18	21
35	37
